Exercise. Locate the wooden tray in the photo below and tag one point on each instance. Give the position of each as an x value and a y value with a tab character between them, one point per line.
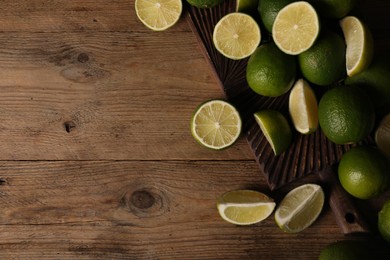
307	154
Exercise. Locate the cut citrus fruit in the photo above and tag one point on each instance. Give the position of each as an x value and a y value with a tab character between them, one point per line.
246	6
300	208
158	15
303	107
275	128
245	207
359	43
296	27
382	135
216	124
236	35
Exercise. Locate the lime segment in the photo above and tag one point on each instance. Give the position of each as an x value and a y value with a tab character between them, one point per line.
236	35
158	15
216	124
296	27
245	207
303	107
275	128
300	208
359	43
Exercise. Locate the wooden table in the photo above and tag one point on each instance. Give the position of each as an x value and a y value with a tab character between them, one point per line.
97	160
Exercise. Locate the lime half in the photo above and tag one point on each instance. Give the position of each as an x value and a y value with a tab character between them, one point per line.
245	207
158	15
296	27
236	35
216	124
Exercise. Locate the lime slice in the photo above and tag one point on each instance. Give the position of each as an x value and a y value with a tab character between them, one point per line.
216	124
275	128
303	107
246	6
236	35
245	207
296	27
158	15
382	135
300	208
359	43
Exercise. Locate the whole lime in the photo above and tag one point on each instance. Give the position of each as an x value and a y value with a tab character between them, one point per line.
269	9
346	114
204	3
345	250
333	8
384	221
363	172
269	71
375	80
324	63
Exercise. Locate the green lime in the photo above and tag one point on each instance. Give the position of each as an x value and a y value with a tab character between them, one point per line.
346	114
364	172
246	6
204	3
384	221
382	135
275	128
333	8
324	63
270	72
345	250
375	80
269	9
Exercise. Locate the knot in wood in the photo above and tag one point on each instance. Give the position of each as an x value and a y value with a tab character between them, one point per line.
83	57
145	202
142	199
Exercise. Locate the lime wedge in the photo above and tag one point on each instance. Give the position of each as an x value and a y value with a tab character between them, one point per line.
158	15
275	128
245	207
359	43
296	27
236	35
303	107
246	6
300	208
216	124
382	135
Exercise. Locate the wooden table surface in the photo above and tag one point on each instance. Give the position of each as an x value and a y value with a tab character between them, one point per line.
97	160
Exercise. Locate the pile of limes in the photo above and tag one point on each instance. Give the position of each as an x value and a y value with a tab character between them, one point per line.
308	60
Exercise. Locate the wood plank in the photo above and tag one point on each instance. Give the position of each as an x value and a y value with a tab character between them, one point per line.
141	210
101	96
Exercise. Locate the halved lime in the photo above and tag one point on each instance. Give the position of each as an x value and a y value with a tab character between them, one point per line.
236	35
158	15
300	208
303	107
216	124
296	27
245	207
275	128
360	47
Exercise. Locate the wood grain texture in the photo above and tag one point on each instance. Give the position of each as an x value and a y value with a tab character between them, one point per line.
97	161
140	210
